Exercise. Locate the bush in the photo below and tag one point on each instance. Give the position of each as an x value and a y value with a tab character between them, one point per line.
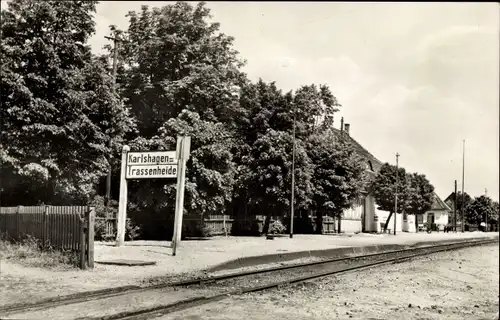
100	208
276	227
132	231
102	213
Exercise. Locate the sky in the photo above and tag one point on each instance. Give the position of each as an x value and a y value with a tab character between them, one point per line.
413	78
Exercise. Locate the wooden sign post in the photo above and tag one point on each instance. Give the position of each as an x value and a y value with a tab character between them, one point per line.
122	202
154	165
183	148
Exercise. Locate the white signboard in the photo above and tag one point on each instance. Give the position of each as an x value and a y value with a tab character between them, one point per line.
151	164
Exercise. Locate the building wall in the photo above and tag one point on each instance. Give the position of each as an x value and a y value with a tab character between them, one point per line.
441	218
356	212
350	226
404	223
352	217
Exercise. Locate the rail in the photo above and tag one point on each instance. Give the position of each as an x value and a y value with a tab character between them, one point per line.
279	272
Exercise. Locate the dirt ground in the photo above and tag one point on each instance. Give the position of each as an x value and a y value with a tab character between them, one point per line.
461	284
21	284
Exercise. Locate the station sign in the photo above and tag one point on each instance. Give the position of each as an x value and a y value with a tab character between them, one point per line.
151	164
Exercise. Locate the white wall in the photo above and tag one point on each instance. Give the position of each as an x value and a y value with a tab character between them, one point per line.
354	213
352	218
441	218
350	226
401	224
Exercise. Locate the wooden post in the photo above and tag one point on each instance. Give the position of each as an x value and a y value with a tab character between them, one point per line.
82	244
183	146
339	223
18	222
396	194
44	227
90	236
224	224
455	208
122	204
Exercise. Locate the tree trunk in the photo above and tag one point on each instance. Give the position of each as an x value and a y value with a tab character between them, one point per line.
387	221
265	229
319	222
339	223
416	223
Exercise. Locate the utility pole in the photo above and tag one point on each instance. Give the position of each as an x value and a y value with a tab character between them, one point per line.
339	215
486	213
396	195
463	178
113	88
293	179
455	208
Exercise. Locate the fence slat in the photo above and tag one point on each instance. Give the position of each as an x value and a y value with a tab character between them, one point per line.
74	246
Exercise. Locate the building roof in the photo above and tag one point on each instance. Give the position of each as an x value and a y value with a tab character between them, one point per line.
376	164
438	204
451	197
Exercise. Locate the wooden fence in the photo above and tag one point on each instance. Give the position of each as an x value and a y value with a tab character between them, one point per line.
109	226
223	224
59	227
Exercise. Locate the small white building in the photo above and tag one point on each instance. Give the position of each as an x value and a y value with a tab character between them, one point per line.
438	214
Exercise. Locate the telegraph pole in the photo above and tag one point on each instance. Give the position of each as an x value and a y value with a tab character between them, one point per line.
486	213
463	178
396	195
293	180
455	208
113	90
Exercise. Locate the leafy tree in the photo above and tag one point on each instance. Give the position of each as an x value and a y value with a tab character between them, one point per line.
493	218
57	110
174	58
266	134
338	174
478	210
419	195
314	108
467	199
180	75
266	108
384	189
269	180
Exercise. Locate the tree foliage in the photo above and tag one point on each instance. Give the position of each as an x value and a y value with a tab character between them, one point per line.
384	187
338	173
493	219
58	112
466	200
420	196
174	58
415	192
478	210
265	154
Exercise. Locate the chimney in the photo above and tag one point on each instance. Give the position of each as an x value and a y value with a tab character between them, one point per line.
346	128
341	124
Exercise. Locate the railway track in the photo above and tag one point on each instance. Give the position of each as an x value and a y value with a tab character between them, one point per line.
240	282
